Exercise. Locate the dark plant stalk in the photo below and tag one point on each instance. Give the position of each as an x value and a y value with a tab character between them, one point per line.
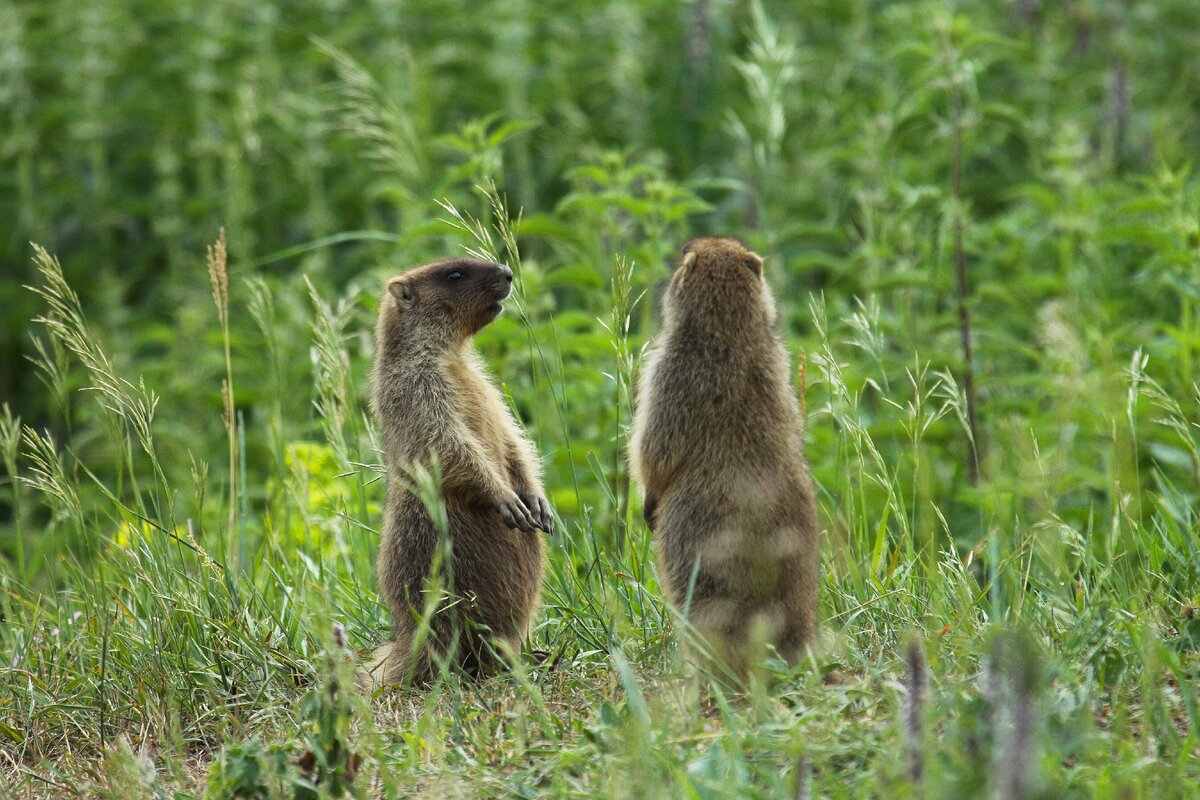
960	277
1015	751
1083	37
696	87
1118	99
1016	785
1027	11
700	35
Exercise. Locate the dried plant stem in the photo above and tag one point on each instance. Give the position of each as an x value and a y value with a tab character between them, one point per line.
803	780
914	711
218	273
1014	751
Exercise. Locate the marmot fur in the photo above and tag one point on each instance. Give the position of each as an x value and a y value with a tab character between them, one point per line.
432	397
718	449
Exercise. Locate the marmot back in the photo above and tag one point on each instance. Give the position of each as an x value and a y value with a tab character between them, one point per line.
718	448
431	397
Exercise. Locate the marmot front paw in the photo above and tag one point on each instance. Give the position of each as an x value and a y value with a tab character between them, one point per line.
539	509
516	514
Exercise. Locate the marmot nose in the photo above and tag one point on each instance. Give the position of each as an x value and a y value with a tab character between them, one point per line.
505	272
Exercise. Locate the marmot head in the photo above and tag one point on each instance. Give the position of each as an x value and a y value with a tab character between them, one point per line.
720	279
452	299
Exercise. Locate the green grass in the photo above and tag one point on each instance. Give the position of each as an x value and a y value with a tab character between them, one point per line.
191	489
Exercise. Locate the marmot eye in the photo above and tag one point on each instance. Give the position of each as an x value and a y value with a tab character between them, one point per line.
453	276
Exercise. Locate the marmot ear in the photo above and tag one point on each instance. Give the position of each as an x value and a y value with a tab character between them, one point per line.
754	262
689	258
404	292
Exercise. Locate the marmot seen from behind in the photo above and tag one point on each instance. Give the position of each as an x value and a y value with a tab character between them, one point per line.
718	449
432	397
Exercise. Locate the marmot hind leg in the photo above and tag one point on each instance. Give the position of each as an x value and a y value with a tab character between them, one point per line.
394	663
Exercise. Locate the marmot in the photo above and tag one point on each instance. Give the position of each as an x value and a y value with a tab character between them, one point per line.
718	449
432	397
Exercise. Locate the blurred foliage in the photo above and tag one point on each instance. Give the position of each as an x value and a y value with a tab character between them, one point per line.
820	132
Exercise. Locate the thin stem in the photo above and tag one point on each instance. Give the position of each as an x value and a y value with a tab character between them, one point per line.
219	275
960	277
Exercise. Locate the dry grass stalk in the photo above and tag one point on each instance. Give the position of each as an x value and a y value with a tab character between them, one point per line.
218	274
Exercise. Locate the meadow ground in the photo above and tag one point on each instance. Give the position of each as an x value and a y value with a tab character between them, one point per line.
191	495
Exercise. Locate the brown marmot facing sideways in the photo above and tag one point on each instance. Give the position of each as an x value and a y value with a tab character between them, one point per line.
718	449
432	396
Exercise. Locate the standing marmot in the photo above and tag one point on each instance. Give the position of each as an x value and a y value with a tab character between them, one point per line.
431	396
718	448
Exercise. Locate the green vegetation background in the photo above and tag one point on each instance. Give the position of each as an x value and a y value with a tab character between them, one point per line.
170	567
